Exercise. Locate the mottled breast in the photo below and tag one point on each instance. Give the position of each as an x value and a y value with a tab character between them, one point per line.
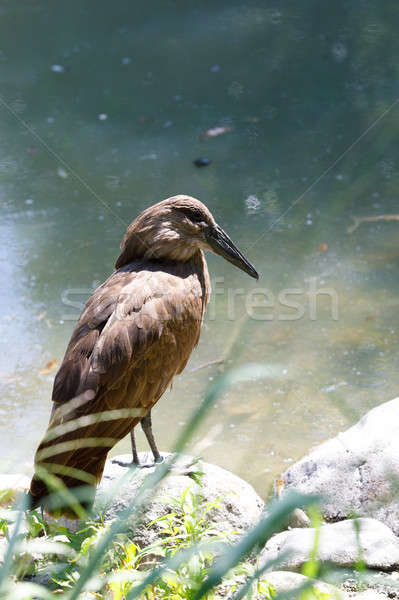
146	318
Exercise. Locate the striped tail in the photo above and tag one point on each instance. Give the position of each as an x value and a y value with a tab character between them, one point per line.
70	460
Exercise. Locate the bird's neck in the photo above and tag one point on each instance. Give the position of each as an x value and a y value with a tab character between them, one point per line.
153	244
201	267
171	249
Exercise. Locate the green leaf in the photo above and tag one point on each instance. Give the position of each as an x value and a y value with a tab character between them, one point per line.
257	537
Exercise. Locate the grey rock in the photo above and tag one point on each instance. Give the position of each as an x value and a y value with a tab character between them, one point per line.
338	545
298	518
368	595
285	582
357	472
14	483
382	584
3	548
238	505
72	525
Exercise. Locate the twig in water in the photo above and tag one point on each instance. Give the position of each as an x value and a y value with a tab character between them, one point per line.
218	361
359	220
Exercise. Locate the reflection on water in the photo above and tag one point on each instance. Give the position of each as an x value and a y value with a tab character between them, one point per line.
103	112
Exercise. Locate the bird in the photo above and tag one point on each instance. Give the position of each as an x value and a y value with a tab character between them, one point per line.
135	333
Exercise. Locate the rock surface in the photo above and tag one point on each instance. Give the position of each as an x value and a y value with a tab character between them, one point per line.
380	583
285	581
357	472
368	595
298	518
3	547
14	483
338	544
238	505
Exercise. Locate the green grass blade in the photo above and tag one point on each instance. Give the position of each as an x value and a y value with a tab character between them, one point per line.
255	538
24	590
173	564
152	481
13	542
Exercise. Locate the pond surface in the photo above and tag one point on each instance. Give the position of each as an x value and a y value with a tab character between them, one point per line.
102	110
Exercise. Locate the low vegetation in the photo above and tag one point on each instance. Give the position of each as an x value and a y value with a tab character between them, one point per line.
191	560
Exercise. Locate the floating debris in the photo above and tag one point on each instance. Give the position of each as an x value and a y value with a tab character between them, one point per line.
201	162
50	366
359	220
331	388
322	247
62	173
57	68
210	363
214	68
252	203
102	117
214	132
126	60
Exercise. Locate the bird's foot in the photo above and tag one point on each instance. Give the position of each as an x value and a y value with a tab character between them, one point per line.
140	464
150	464
123	463
184	465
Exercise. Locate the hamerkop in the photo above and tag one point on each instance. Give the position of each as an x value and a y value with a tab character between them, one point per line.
135	334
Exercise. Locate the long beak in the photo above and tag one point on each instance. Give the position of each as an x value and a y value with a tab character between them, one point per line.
220	243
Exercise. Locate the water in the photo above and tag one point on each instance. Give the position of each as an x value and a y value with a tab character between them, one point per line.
102	107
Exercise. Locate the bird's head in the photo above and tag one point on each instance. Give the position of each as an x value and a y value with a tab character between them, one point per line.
175	229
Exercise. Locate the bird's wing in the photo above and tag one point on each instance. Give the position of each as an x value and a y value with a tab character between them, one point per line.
120	323
135	333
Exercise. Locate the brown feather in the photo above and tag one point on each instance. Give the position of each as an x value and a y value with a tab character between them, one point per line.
144	312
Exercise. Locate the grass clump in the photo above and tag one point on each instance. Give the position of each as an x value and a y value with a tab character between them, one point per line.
190	560
125	566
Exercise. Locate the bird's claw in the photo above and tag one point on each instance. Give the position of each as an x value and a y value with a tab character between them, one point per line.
148	465
144	465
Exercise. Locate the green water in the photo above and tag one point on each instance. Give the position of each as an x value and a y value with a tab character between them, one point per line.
102	106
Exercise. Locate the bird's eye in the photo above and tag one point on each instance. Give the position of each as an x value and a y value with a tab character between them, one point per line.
196	216
193	214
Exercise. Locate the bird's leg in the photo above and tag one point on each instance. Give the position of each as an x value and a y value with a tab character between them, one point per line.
135	460
135	454
146	424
